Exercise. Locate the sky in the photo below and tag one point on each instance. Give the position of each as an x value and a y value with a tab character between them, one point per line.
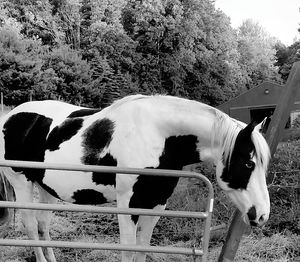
280	18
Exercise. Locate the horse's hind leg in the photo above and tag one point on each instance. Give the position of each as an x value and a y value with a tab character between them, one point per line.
145	228
43	218
24	193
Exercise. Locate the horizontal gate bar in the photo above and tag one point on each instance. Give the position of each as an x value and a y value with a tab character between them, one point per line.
105	210
103	169
109	169
118	247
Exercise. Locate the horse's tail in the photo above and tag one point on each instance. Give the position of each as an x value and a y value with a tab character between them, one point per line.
7	193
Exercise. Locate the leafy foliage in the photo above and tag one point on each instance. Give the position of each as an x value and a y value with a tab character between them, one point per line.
93	51
286	57
67	75
257	53
19	64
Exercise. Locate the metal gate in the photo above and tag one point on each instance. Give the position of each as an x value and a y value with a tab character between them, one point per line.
196	252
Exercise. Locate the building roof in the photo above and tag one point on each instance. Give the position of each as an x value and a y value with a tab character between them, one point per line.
265	95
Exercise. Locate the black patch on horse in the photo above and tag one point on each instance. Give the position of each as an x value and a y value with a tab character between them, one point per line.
237	173
83	112
88	197
97	137
150	191
25	139
63	132
50	190
105	178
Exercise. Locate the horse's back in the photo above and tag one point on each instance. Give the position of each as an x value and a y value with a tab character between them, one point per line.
49	108
37	114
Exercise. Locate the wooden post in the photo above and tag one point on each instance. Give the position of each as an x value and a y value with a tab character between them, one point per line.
283	108
273	136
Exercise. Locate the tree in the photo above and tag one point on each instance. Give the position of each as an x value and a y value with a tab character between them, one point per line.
108	49
286	56
67	17
86	21
68	75
216	74
35	17
257	53
20	61
93	51
184	48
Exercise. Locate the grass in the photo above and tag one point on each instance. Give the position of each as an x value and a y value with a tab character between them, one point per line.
85	227
279	248
254	248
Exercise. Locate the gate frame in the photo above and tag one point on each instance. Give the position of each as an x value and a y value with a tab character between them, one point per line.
114	210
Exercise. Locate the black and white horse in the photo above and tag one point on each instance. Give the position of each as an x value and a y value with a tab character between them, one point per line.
140	132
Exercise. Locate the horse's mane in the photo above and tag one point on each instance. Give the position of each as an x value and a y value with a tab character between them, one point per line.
226	129
262	149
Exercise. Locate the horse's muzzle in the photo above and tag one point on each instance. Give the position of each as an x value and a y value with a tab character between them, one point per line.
256	219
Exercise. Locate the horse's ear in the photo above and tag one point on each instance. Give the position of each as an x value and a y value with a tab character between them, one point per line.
249	128
263	126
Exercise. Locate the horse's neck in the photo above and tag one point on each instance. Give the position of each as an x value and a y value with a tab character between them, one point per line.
183	117
153	125
179	117
214	130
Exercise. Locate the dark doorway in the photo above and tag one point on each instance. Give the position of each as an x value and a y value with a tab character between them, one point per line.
259	114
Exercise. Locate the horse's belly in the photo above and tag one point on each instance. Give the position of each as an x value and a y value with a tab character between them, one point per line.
78	187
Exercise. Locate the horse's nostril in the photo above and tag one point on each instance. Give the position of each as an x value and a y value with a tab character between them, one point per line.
253	223
262	219
252	213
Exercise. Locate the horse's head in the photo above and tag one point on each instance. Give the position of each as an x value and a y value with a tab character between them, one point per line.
241	173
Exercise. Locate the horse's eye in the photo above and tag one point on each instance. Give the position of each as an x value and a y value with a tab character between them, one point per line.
250	164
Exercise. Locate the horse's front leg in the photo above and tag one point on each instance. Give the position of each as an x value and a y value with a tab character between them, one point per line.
127	236
146	225
127	227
